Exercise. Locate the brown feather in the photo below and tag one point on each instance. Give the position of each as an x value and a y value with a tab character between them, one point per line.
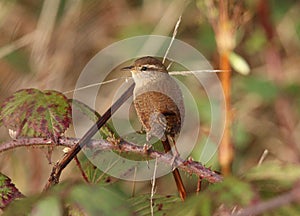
158	114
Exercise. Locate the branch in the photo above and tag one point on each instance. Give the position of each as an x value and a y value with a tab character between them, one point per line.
28	142
58	167
277	202
190	166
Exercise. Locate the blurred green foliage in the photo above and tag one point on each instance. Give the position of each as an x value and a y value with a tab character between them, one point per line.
70	198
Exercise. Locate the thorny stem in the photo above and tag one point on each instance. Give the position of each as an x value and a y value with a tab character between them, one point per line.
189	166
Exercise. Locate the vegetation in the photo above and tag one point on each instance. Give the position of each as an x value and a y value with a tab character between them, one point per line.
46	45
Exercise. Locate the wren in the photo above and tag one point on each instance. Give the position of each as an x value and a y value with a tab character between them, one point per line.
158	102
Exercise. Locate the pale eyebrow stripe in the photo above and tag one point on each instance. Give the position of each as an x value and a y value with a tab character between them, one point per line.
148	66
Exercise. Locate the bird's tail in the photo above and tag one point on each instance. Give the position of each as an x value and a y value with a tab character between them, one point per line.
176	174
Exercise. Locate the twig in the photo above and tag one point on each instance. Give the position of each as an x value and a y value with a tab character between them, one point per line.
263	156
134	182
189	166
277	202
173	38
184	73
173	73
170	16
27	142
106	170
95	84
86	179
153	188
199	183
58	168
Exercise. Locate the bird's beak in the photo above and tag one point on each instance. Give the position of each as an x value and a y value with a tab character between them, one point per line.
128	68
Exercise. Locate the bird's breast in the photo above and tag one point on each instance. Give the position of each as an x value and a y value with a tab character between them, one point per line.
159	104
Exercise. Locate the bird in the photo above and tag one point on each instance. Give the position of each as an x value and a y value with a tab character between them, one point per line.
159	105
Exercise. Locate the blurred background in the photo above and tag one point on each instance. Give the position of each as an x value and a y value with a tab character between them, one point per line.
45	44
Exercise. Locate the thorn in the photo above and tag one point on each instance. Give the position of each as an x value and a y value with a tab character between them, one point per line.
13	134
146	148
66	150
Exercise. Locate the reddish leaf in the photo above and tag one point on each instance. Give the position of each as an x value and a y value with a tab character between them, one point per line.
33	113
8	191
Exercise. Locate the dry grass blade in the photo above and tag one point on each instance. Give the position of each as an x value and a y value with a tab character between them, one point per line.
43	34
173	38
17	44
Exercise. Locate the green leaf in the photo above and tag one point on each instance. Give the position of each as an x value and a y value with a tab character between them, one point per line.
8	191
85	109
292	89
292	209
255	41
19	59
230	193
49	206
94	174
162	205
264	88
274	175
241	136
95	200
72	199
33	113
280	9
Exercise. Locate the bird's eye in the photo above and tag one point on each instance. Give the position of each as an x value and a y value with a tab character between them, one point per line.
144	68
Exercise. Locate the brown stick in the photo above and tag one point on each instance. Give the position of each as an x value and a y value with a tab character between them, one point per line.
84	176
58	167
